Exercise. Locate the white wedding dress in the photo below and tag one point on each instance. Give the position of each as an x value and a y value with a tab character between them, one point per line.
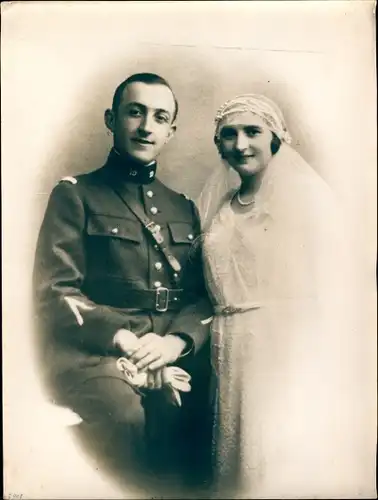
276	274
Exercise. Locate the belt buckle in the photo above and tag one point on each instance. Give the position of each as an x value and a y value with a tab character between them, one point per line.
159	291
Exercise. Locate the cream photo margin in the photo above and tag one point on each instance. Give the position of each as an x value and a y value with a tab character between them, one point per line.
61	61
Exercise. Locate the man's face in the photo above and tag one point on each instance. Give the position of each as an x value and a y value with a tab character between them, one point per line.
142	124
245	143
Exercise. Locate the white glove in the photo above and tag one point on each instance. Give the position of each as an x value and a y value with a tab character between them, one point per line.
175	379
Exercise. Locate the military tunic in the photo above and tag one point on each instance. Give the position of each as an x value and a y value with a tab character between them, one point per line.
97	270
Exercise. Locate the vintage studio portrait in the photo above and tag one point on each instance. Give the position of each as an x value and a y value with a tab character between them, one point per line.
189	250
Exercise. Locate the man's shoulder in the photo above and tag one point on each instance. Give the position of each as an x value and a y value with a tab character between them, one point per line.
82	179
80	185
76	188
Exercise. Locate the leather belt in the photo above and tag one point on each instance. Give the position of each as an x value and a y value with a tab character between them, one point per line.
160	299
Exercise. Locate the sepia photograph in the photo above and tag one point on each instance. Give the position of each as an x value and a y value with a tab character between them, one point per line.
189	249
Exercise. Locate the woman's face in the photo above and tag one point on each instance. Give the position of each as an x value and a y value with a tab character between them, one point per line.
245	143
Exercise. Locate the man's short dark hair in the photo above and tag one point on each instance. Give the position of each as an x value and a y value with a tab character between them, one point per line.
148	78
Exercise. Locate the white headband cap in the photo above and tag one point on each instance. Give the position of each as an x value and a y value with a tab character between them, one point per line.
259	105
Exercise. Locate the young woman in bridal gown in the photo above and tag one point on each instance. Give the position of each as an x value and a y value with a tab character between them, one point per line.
275	264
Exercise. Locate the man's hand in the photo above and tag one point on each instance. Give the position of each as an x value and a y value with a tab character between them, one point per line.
126	341
153	352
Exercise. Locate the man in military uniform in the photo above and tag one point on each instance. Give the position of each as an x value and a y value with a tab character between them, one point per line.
117	276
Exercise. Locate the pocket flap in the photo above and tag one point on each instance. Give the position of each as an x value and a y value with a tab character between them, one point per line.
114	227
181	232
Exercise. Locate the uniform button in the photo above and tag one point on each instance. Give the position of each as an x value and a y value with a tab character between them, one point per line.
190	236
154	210
156	247
158	266
175	275
157	284
115	230
150	194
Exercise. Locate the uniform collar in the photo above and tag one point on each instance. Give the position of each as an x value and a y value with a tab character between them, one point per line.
129	170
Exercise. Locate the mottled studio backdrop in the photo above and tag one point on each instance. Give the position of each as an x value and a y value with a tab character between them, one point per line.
61	62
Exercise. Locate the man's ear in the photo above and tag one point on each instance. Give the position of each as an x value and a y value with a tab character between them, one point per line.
171	132
109	119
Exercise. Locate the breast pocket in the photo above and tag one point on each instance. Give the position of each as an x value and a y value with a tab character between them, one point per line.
182	237
114	227
114	247
181	233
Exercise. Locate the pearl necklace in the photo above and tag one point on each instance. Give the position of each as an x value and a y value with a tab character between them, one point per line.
243	203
